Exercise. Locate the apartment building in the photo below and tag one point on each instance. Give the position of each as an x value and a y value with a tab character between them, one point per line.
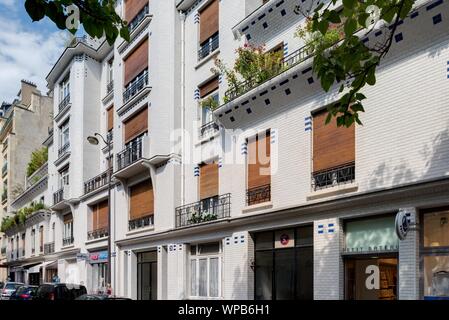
24	124
255	198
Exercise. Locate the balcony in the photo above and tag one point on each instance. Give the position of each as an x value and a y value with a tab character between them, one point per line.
208	47
141	222
64	149
258	195
64	103
4	195
97	234
132	159
208	129
134	23
333	177
37	175
97	182
110	87
206	210
110	136
135	87
60	198
49	248
67	241
5	168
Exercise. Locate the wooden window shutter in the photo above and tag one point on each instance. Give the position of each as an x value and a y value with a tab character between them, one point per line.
208	180
133	7
41	236
136	62
141	202
332	146
94	209
68	218
110	118
259	164
208	87
209	21
102	214
136	125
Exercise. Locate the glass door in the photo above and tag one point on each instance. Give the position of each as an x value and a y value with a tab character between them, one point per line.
147	275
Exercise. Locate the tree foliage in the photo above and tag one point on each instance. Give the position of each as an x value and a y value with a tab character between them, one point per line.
38	159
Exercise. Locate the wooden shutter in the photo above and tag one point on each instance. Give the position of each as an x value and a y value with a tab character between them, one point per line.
100	215
110	118
208	87
94	209
141	203
259	164
209	21
68	218
41	236
208	180
136	125
136	62
332	146
133	7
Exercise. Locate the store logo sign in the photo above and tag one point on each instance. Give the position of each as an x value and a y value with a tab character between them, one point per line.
285	239
402	224
372	282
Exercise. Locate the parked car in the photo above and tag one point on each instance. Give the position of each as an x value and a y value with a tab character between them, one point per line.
59	291
8	289
24	293
99	297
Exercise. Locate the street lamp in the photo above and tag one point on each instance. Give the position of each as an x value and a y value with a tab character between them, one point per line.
93	140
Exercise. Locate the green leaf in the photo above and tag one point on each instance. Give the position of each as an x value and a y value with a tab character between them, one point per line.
334	17
349	4
35	9
322	26
124	33
350	27
371	77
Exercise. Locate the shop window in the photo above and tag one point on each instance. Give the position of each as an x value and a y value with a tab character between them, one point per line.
205	270
284	264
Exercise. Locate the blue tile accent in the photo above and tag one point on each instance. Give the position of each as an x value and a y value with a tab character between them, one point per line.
437	19
414	15
196	94
285	49
232	119
287	91
320	231
196	171
267	101
399	37
433	5
284	82
330	231
378	33
244	148
196	18
283	12
220	162
265	25
320	226
306	70
330	225
365	40
310	80
248	37
249	111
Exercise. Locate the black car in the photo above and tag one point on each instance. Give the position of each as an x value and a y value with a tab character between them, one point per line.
99	297
59	291
24	293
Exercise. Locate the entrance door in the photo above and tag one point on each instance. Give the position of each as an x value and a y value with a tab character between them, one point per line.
34	279
371	278
147	275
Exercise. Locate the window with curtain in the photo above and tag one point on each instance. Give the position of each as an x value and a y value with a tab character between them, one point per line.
205	270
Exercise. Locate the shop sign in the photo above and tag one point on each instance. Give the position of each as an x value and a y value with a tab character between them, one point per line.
81	257
98	257
402	224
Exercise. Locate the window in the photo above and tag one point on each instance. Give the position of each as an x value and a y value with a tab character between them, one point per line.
64	88
64	134
136	125
136	64
67	232
435	252
205	270
141	204
41	239
333	153
64	177
33	241
209	29
208	94
133	7
110	119
23	244
110	71
259	169
53	232
100	215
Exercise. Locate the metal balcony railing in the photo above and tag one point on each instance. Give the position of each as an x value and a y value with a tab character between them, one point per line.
138	18
258	195
4	195
141	222
67	241
97	234
131	154
37	175
209	46
5	168
210	209
334	176
110	87
208	129
58	196
110	136
49	248
64	103
63	150
97	182
135	87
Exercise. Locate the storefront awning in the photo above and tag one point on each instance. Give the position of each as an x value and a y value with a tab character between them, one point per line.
31	268
51	264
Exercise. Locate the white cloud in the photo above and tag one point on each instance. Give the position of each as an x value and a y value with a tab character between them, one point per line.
25	54
11	4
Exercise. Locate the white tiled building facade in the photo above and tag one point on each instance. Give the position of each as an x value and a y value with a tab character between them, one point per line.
192	217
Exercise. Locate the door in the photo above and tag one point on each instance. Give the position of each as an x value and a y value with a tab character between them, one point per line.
147	275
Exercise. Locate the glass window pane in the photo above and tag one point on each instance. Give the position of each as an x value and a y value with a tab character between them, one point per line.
436	229
264	240
436	277
214	277
202	278
264	275
193	278
304	273
304	236
209	248
153	280
285	274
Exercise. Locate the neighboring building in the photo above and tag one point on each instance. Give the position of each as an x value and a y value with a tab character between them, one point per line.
24	125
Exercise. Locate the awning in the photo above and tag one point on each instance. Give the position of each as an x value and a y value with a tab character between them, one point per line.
35	269
51	264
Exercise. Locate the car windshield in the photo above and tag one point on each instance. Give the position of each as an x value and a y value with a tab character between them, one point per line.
10	286
25	290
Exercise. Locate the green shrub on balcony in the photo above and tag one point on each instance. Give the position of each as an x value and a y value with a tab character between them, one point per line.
209	103
317	42
38	159
21	216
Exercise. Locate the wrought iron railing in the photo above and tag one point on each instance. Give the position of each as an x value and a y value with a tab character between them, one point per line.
208	47
210	209
5	168
333	176
49	248
64	103
97	182
131	154
138	18
135	87
67	241
258	195
97	234
110	87
63	149
110	136
37	175
4	195
141	222
286	63
208	129
58	196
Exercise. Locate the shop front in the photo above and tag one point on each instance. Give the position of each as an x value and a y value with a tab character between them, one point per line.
370	258
435	253
98	262
147	275
283	266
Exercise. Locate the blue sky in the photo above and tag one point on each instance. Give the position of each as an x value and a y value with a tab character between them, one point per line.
27	49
